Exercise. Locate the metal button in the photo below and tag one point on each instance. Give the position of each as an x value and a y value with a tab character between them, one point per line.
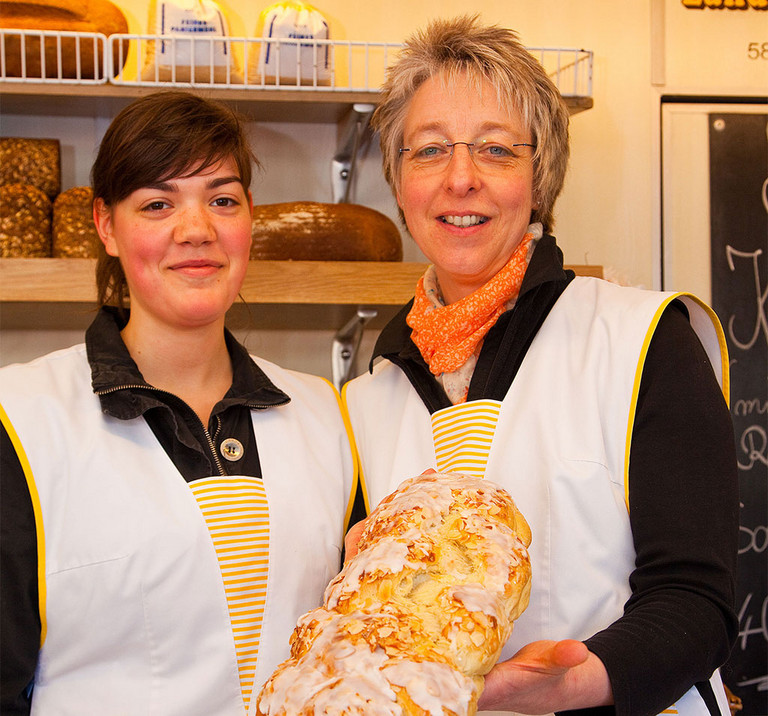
232	449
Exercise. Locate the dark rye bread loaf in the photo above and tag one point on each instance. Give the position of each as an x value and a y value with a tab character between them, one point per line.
92	16
313	231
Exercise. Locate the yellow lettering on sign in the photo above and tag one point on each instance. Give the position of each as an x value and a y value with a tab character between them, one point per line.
726	4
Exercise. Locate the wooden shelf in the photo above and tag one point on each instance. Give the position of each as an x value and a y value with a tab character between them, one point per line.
267	282
264	105
289	282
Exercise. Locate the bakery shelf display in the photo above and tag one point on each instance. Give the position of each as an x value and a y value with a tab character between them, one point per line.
299	66
44	72
284	282
383	283
315	81
70	74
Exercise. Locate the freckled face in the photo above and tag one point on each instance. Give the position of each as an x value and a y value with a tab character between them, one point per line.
183	245
466	219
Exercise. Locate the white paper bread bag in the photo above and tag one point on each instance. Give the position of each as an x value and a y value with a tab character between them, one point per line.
202	20
291	61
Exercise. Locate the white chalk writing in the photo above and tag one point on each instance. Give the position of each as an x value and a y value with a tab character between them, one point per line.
746	628
754	445
761	295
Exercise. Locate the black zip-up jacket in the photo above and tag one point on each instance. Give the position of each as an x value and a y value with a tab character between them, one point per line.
680	623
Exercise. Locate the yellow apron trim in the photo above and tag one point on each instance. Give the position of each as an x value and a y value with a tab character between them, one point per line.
36	508
724	373
357	471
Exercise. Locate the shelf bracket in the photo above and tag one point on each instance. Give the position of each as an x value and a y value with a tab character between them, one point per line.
346	344
350	135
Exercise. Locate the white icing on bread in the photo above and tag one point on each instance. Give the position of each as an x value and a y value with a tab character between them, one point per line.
420	614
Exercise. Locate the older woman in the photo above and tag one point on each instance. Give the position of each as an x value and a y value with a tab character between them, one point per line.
599	408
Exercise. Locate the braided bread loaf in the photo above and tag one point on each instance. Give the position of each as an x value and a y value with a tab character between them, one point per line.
419	615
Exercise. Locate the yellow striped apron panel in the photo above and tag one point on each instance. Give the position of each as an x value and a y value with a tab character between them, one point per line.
236	512
463	434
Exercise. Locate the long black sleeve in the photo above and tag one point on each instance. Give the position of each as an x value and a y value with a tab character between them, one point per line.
679	623
19	607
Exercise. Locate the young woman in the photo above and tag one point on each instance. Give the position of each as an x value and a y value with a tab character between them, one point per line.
170	504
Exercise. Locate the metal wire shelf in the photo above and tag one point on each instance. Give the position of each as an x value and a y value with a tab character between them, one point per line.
53	57
143	60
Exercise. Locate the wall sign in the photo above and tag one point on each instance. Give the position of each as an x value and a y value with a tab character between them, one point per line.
726	4
715	48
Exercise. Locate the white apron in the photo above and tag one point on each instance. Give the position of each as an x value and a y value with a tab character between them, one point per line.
134	611
561	448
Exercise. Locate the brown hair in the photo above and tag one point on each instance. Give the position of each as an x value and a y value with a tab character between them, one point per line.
155	138
450	47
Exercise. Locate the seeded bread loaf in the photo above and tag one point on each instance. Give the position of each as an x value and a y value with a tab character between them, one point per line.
74	234
92	16
313	231
25	222
31	161
415	620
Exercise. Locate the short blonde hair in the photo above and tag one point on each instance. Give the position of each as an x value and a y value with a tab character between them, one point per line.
462	45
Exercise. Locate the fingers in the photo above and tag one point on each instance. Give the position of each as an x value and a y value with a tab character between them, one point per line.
351	539
551	657
538	679
569	653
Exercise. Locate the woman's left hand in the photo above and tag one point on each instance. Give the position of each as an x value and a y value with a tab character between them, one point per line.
352	538
547	676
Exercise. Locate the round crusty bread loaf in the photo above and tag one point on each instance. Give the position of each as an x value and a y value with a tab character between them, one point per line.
25	222
420	614
92	16
313	231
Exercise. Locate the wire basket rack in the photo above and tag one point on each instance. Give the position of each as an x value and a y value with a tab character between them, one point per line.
37	56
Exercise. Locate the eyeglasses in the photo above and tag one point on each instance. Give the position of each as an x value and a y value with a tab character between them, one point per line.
486	154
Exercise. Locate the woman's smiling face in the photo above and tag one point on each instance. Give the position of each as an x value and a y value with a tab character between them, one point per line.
467	215
183	244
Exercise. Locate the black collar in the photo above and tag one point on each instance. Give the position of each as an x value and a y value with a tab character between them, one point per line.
125	394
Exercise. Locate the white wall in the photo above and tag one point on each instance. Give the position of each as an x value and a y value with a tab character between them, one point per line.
609	212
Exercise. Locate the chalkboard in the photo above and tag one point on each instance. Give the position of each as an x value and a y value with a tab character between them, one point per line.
738	146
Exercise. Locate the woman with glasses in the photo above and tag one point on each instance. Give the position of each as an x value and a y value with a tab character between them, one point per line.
170	503
599	408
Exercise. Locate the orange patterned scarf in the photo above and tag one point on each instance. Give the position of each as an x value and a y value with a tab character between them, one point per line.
448	335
